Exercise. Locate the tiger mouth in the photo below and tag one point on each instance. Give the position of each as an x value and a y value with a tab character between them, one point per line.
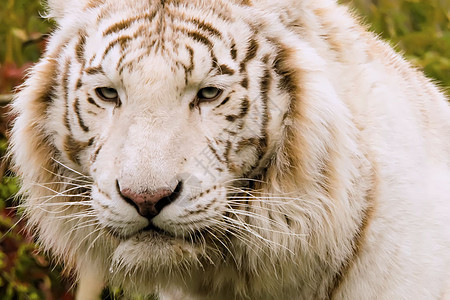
149	229
152	228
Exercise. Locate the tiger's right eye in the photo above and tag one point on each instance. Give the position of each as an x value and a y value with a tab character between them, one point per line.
107	94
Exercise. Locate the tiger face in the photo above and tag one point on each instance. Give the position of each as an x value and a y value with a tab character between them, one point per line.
167	112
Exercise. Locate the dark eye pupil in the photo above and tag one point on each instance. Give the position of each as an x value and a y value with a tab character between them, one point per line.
107	93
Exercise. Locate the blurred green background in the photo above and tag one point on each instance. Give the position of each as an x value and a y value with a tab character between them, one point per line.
420	29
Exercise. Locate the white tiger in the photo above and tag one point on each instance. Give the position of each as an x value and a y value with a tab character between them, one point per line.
234	149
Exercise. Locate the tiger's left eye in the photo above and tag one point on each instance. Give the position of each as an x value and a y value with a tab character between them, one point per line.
107	94
209	93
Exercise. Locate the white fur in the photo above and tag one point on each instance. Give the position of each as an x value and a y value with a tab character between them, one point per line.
350	197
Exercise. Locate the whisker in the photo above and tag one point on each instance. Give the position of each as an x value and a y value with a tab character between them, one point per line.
239	234
68	168
57	192
66	183
255	216
223	244
77	178
275	231
260	192
256	234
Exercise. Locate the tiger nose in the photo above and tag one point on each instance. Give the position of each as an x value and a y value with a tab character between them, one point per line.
150	203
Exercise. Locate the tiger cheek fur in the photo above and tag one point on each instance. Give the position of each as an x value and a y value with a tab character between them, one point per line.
217	150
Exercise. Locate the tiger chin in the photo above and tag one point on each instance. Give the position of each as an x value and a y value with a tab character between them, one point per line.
234	150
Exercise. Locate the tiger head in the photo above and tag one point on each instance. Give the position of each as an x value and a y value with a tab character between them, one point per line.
158	128
165	110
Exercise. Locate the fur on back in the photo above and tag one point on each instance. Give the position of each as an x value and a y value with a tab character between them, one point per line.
319	168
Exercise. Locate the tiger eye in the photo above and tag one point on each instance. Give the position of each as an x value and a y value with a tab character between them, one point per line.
107	94
209	93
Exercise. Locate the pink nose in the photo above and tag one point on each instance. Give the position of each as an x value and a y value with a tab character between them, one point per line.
150	203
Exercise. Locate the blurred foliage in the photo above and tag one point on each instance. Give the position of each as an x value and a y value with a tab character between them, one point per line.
20	25
22	35
421	29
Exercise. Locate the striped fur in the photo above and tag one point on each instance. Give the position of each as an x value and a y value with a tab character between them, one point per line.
321	171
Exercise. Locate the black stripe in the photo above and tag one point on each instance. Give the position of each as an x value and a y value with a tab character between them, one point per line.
129	64
262	141
244	143
73	147
79	48
226	70
97	151
92	101
214	151
245	104
244	107
231	118
228	147
230	132
251	53
79	83
287	77
197	36
265	85
123	55
233	51
76	107
94	70
50	93
244	82
94	4
121	40
123	24
188	70
228	17
223	102
124	51
65	90
206	27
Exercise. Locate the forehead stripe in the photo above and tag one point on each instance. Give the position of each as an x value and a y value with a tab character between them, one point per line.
206	27
124	24
226	70
197	36
94	70
121	40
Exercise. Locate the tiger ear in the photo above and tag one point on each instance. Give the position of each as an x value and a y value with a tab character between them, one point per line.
57	9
